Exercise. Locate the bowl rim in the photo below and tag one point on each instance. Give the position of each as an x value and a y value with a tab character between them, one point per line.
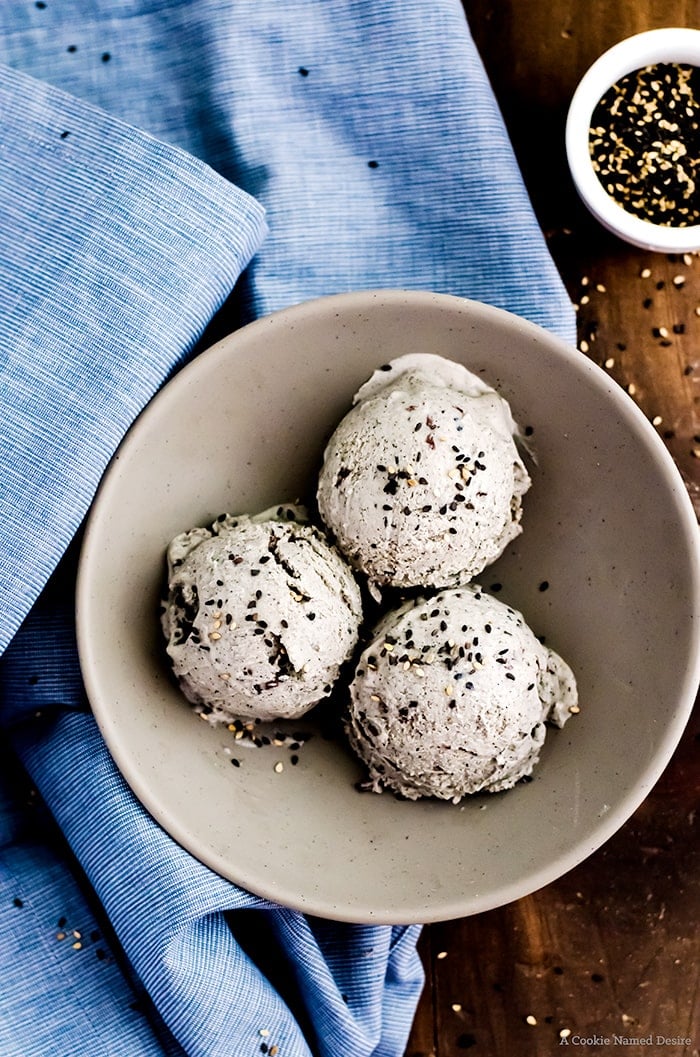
536	877
670	44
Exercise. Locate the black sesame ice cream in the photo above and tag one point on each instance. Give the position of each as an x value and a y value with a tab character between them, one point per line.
422	482
260	615
452	696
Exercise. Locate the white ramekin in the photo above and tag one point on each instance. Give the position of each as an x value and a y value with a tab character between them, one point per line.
644	49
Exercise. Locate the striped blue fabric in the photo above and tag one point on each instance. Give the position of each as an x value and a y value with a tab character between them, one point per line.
168	170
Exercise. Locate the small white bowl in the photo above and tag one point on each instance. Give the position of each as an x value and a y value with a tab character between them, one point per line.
671	45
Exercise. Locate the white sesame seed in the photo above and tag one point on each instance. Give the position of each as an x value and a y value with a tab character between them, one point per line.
610	362
645	273
279	767
529	1019
441	955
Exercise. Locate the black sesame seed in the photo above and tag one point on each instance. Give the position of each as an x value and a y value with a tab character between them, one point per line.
544	585
303	72
105	56
634	139
17	902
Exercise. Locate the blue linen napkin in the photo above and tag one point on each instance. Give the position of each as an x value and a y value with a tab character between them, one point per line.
134	178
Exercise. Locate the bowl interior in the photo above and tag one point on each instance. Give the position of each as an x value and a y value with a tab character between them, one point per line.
668	45
607	524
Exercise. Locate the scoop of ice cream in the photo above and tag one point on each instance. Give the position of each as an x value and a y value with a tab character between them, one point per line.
452	696
422	482
261	613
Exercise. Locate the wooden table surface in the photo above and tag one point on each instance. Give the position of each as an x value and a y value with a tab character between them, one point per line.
613	947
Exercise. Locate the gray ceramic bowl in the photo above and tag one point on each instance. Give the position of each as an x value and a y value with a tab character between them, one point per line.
607	523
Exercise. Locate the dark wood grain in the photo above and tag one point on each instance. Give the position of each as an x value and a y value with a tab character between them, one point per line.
613	947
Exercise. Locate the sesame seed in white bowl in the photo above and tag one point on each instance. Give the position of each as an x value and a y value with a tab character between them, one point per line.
633	139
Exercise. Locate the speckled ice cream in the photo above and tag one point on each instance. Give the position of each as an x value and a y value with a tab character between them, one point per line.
452	696
422	482
261	614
